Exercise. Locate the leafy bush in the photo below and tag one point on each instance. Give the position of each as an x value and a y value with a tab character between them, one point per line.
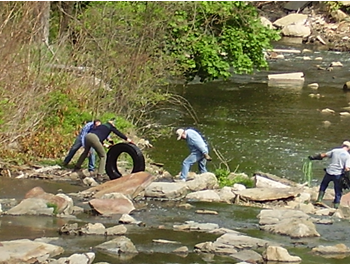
215	38
51	87
222	177
54	206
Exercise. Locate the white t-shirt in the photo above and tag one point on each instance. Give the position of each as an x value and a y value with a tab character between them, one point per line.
340	159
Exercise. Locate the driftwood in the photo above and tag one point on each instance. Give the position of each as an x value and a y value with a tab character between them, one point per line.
275	178
267	194
263	182
69	68
286	80
297	76
286	51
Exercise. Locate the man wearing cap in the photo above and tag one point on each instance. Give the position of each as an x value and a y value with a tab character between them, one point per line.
198	151
338	167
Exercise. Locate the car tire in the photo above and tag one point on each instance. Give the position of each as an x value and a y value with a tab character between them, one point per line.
115	151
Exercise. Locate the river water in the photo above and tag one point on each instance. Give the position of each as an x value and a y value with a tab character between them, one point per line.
254	127
260	128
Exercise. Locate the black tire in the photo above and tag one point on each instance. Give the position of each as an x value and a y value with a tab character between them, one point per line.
114	152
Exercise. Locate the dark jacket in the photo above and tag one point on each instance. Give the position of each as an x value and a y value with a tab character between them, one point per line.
104	130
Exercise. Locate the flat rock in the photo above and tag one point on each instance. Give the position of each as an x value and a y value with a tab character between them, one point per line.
27	251
296	5
268	194
130	185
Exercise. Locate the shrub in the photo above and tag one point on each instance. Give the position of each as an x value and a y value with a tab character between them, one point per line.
223	179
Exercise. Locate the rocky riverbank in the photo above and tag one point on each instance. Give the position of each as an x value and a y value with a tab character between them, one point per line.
287	210
310	22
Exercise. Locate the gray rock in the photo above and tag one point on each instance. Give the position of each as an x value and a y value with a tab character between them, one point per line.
293	223
296	19
118	245
267	194
85	258
27	251
204	196
274	253
31	206
248	255
339	249
166	190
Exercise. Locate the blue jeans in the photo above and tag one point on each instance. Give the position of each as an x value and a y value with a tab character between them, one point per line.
337	186
190	160
77	145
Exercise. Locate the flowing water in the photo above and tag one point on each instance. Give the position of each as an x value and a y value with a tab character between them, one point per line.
255	128
260	128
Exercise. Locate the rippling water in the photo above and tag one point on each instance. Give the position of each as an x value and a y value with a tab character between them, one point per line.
255	127
261	128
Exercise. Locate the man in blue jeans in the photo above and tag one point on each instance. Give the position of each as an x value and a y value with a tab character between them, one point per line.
79	142
198	151
339	165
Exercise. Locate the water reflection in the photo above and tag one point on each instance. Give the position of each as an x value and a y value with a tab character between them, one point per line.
17	188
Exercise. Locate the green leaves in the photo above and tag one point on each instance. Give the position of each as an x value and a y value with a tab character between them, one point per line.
222	176
208	39
221	36
5	105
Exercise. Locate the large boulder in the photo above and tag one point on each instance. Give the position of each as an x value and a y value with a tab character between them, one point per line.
27	251
130	185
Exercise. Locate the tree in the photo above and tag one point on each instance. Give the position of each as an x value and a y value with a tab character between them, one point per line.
213	39
40	21
206	39
125	53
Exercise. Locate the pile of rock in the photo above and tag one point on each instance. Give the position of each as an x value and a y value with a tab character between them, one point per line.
311	22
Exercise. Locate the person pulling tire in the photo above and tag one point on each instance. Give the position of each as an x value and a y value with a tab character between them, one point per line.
94	139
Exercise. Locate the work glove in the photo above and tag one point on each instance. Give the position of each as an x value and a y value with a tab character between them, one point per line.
207	157
315	157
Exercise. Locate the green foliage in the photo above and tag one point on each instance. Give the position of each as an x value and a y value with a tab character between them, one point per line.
213	39
334	5
128	59
64	111
4	104
249	183
113	58
206	39
120	123
52	205
222	177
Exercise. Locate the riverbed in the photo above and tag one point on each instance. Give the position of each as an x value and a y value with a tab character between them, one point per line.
260	128
254	127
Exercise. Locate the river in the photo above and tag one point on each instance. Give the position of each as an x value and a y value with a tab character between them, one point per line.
254	127
261	128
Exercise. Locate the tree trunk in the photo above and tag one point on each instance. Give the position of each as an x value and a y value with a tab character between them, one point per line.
41	21
66	11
